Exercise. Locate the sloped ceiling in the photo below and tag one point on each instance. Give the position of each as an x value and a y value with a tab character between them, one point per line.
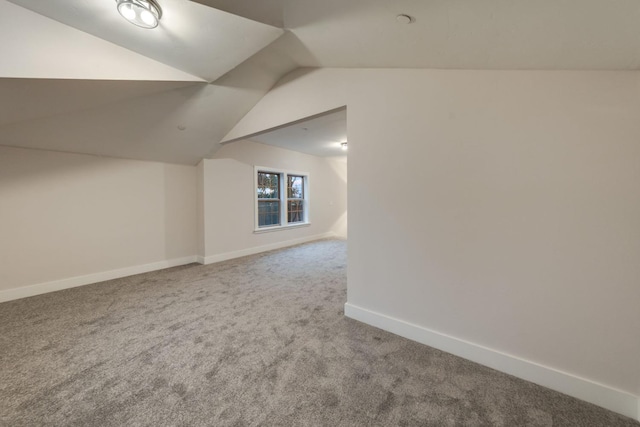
121	91
321	135
199	40
76	77
458	34
34	46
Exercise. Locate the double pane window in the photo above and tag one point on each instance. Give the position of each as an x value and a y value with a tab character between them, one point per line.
281	198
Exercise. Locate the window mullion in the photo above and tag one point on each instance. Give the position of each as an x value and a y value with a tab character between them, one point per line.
283	199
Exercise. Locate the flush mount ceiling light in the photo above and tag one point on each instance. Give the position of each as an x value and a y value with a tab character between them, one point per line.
143	13
343	145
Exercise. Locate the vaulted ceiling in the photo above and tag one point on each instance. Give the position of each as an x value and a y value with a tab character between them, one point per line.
74	76
321	135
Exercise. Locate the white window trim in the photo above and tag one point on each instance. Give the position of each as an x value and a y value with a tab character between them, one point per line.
283	199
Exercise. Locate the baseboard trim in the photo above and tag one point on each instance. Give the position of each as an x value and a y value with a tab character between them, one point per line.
264	248
72	282
590	391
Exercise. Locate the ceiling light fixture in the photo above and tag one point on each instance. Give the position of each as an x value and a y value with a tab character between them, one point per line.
343	145
143	13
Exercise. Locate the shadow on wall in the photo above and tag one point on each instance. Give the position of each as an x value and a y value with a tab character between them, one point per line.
339	167
340	226
180	229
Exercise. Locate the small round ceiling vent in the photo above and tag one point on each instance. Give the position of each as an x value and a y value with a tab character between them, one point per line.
404	19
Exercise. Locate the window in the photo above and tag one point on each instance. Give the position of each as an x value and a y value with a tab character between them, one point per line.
268	199
295	198
281	199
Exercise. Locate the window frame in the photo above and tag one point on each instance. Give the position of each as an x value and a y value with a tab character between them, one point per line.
284	199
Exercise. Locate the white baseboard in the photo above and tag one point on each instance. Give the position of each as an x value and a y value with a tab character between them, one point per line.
72	282
264	248
590	391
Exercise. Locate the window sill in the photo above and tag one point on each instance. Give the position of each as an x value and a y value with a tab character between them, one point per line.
280	227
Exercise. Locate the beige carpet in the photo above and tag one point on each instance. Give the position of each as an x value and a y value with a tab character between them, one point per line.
260	340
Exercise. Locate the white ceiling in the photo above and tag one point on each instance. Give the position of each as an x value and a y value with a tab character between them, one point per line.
37	47
31	99
469	34
320	135
63	89
74	76
196	39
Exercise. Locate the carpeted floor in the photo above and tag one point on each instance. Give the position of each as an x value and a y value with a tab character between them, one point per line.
260	340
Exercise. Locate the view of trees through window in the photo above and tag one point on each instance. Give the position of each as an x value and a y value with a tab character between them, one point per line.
268	199
270	202
295	198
